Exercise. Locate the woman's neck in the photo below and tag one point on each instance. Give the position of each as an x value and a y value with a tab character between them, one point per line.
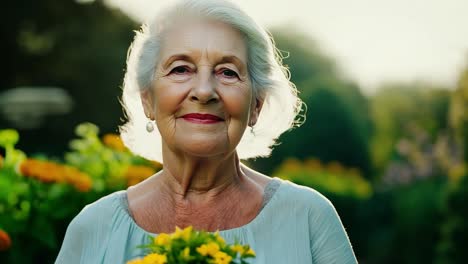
208	194
192	177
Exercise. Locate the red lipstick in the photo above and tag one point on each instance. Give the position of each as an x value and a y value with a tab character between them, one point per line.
201	118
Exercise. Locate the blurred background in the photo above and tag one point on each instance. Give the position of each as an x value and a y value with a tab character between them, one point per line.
386	136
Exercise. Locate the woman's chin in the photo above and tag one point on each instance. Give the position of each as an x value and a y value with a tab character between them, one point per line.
205	148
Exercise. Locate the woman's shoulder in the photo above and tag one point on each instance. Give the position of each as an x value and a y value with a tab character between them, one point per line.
302	194
98	215
329	241
102	208
90	230
303	198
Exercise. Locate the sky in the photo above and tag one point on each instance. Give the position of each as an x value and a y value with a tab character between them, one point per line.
372	41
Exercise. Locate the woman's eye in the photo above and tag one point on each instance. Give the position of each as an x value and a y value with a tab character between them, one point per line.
180	70
229	73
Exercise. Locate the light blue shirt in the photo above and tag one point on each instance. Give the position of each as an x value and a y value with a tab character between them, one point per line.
297	225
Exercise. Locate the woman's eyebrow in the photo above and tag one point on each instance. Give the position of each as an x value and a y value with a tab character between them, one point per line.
234	60
176	57
224	59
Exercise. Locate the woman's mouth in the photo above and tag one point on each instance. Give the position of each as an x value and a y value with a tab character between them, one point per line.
202	118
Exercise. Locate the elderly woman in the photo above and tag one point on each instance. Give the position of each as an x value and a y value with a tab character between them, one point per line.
211	81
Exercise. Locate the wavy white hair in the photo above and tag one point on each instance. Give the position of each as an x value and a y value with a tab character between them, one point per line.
269	79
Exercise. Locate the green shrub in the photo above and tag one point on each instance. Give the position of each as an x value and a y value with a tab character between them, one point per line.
39	196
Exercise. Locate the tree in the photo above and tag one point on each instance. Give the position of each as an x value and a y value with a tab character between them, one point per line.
454	231
398	108
78	47
337	124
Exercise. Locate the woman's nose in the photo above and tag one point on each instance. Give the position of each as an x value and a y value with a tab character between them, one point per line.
204	89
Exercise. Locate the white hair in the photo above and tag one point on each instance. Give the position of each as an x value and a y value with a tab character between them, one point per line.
269	79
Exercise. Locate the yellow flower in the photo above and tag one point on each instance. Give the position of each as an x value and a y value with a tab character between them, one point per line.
154	258
186	246
242	250
238	248
250	252
162	239
186	253
208	249
183	233
222	258
135	261
219	238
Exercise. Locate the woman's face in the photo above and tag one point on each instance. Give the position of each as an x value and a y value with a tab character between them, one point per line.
201	99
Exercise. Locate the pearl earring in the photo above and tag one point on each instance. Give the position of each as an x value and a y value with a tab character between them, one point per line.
251	125
149	126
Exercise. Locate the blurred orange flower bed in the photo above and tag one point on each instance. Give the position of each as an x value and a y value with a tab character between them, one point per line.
331	177
5	241
50	172
43	193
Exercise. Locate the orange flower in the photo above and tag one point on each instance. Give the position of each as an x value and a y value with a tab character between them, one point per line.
114	141
81	181
335	168
291	165
354	173
136	174
83	184
49	172
5	241
156	165
313	164
1	161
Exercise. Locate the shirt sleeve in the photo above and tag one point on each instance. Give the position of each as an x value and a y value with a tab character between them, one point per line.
85	236
329	241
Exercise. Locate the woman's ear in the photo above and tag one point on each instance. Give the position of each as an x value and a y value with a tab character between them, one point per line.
255	112
147	102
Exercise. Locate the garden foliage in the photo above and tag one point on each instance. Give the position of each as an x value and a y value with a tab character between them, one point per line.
40	195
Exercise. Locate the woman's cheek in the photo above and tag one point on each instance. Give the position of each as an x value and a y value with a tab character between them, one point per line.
237	101
169	97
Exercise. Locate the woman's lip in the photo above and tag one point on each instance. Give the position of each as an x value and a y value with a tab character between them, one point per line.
202	118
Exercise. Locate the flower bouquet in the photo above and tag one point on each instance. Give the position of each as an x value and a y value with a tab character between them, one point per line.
190	246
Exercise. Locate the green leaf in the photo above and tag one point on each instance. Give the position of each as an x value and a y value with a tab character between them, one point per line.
8	137
43	230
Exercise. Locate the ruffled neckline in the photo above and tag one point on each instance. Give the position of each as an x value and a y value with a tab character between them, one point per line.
270	193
